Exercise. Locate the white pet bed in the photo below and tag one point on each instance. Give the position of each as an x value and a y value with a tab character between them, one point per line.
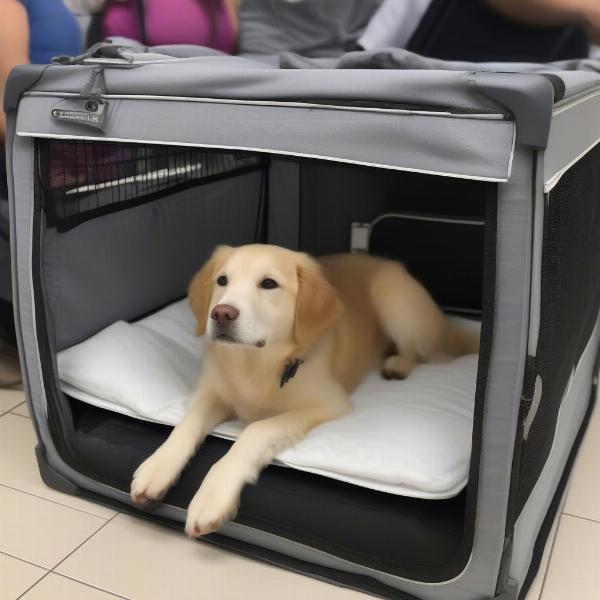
409	437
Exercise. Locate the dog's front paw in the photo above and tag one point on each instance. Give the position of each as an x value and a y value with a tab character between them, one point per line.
215	502
153	478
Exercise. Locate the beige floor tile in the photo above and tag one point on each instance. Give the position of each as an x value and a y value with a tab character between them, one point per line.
40	531
144	561
22	410
574	570
584	496
18	466
17	576
60	588
9	399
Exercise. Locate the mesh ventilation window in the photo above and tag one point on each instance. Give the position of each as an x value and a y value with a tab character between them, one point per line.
81	180
570	301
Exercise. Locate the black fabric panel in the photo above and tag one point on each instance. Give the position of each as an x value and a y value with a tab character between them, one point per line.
471	30
446	256
404	536
334	196
570	302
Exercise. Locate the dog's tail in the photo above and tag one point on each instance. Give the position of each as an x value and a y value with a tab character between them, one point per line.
457	341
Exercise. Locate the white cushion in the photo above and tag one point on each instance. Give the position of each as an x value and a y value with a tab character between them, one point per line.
410	437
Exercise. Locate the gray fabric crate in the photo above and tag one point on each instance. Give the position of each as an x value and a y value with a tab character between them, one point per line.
336	145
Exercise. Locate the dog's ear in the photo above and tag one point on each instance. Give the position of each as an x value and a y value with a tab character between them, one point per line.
200	290
318	305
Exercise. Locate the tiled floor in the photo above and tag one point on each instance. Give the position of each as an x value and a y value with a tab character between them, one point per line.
54	546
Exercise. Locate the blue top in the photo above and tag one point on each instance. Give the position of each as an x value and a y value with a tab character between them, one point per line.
53	30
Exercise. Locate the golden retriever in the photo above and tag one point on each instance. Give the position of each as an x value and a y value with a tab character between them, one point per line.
288	338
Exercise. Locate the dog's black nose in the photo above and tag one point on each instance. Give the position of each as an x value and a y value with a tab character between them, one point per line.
223	313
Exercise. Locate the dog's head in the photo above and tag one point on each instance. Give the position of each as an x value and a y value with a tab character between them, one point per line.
259	294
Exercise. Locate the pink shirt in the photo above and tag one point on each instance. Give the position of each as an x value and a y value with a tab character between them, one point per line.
173	22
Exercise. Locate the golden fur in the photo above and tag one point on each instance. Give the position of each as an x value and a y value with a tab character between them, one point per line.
342	316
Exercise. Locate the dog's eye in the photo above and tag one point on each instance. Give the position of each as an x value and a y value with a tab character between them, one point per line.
268	284
222	281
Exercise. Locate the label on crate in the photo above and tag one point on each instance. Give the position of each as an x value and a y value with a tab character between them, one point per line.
86	111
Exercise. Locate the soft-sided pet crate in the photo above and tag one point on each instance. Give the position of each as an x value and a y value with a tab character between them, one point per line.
123	177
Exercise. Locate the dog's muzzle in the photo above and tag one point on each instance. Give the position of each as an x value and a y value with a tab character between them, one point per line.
224	314
224	328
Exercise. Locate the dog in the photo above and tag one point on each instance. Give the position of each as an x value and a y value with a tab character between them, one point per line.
287	339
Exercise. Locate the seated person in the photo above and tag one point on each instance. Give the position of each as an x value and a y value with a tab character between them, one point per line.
211	23
31	31
470	30
312	28
486	30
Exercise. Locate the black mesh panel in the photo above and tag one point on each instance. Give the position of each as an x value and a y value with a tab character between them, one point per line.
569	304
81	180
